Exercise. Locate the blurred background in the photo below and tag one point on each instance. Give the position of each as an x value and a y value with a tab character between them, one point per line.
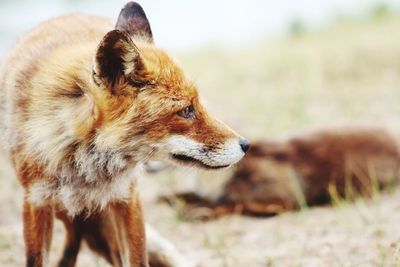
267	68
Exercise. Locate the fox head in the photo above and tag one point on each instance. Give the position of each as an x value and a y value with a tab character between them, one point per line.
147	108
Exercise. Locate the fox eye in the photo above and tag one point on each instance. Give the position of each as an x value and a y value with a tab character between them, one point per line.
187	113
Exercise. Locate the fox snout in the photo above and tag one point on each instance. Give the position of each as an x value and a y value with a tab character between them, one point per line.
186	151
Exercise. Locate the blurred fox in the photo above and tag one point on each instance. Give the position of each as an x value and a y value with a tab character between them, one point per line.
82	103
309	169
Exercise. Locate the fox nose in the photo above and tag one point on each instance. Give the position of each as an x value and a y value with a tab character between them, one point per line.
244	144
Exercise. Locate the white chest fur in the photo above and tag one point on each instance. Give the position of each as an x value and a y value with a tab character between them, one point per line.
77	196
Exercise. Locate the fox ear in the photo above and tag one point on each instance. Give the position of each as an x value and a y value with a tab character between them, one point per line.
117	61
133	20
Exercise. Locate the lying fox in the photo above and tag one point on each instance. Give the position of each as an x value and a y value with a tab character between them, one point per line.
308	169
83	103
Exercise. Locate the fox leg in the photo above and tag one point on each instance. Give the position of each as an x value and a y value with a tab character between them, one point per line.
72	241
116	233
96	230
38	227
100	235
130	232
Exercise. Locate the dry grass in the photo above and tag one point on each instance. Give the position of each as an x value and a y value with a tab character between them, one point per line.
349	72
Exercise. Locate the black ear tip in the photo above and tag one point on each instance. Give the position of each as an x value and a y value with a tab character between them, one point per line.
132	9
133	20
132	4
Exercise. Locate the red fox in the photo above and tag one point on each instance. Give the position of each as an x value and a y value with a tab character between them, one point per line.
308	169
83	103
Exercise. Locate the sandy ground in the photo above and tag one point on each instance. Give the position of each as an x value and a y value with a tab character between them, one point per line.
364	233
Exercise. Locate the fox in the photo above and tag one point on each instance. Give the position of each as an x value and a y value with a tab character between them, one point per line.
84	102
307	169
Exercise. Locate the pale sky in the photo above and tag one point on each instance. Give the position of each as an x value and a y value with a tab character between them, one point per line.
187	25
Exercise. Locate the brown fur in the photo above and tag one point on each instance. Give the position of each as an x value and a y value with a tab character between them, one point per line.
81	104
343	162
